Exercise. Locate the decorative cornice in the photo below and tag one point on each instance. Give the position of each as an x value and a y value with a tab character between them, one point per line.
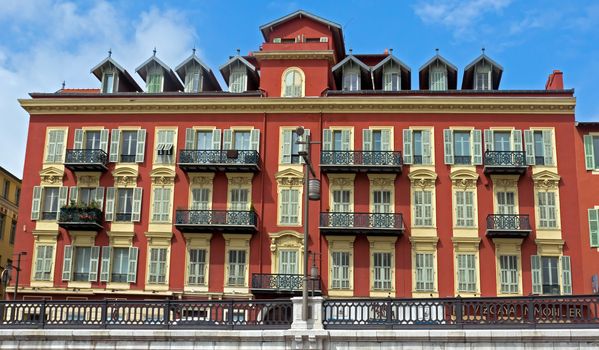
51	176
163	176
125	177
546	180
290	178
464	179
202	180
240	180
295	237
422	178
377	104
88	180
296	55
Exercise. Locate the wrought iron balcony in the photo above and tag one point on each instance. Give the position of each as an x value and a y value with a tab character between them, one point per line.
192	160
370	223
508	226
361	161
505	162
278	283
86	160
233	221
82	219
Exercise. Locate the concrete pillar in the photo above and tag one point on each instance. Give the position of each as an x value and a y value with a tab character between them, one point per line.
314	318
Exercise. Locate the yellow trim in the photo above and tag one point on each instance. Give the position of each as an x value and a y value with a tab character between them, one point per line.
282	166
423	179
391	134
237	242
507	246
431	129
197	241
382	245
239	181
286	240
466	245
342	128
82	239
464	180
505	183
301	72
549	247
158	225
382	182
158	240
295	55
423	245
341	244
290	179
553	168
547	181
45	238
64	146
154	152
225	105
338	182
201	181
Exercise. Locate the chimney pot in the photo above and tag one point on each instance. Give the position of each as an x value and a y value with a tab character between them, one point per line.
555	81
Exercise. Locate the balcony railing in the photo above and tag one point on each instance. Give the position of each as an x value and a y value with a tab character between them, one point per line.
375	223
508	312
361	161
282	283
216	220
219	160
86	160
171	314
86	219
49	215
505	162
508	225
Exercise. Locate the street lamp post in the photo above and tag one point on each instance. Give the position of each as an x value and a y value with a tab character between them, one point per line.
305	154
14	296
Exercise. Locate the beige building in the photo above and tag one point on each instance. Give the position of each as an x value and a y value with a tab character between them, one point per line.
10	191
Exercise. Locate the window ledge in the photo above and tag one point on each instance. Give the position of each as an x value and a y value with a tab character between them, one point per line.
382	293
341	292
157	287
425	294
118	285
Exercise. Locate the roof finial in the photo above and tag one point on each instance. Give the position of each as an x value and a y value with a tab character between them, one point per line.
238	52
351	51
391	51
63	84
483	50
193	50
437	51
154	51
110	52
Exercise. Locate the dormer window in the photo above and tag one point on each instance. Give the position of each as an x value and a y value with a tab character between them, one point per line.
482	77
351	78
391	79
193	81
109	83
293	83
438	78
238	80
154	83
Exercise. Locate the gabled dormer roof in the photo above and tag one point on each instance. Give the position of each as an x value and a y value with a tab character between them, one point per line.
377	71
225	69
210	82
347	60
334	27
126	81
452	73
365	77
496	72
171	82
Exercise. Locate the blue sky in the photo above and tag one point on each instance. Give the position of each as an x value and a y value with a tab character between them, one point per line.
43	42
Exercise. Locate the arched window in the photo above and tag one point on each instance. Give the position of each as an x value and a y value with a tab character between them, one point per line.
293	84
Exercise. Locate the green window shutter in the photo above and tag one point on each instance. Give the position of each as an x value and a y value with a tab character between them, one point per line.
132	269
286	149
67	263
594	227
345	140
63	192
141	146
115	144
157	205
448	141
227	139
327	140
407	146
100	197
78	139
36	203
548	146
73	194
537	282
589	152
305	147
477	158
104	140
426	147
529	147
566	275
109	211
517	140
59	151
216	139
105	268
367	140
190	139
93	264
488	140
51	146
136	207
255	140
386	140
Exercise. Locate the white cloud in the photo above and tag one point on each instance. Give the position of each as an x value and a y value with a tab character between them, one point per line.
62	40
460	16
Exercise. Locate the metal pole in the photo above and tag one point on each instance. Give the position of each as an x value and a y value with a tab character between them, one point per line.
14	296
306	232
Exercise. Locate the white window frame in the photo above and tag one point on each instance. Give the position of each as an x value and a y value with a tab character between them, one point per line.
238	79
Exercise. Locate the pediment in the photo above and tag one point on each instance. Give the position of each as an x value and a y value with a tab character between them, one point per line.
286	239
422	178
51	176
125	176
546	179
289	177
464	178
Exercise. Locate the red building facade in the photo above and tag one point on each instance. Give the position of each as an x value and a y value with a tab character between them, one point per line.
187	191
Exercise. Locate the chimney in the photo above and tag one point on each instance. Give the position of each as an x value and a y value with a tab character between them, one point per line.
555	81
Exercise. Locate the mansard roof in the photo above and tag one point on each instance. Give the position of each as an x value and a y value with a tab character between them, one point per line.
213	84
452	73
496	71
109	62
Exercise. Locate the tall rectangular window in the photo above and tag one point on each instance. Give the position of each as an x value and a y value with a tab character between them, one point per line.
157	265
55	146
539	147
239	199
2	223
6	189
506	202
466	273
108	83
92	139
43	262
423	208
193	81
508	274
392	81
238	80
425	272
418	147
120	265
596	150
237	263
547	210
341	201
13	232
50	204
289	206
464	211
382	270
549	266
128	146
164	146
81	269
197	267
162	204
154	84
241	140
340	270
381	201
204	140
288	262
462	147
124	204
438	79
351	79
200	199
